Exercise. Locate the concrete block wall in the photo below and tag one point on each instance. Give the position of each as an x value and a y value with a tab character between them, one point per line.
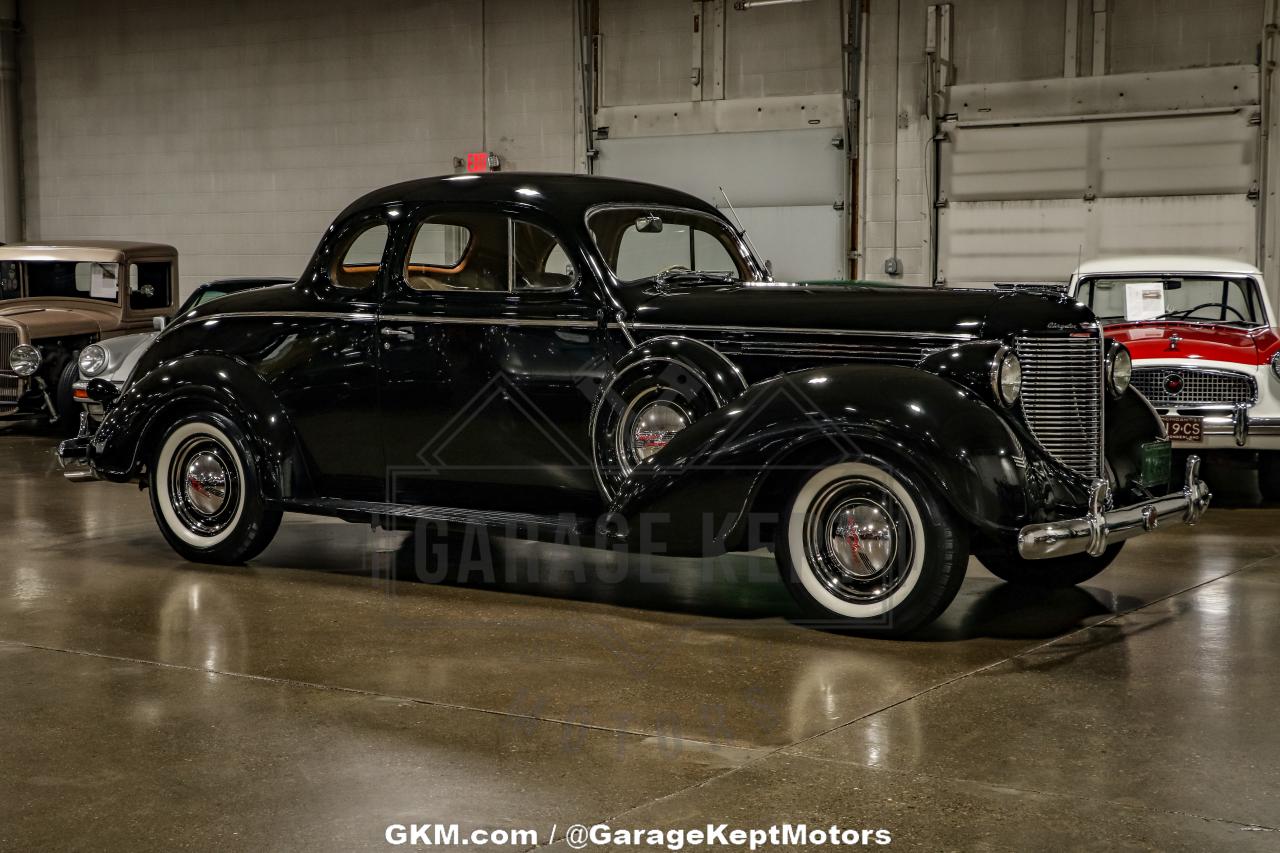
896	198
236	131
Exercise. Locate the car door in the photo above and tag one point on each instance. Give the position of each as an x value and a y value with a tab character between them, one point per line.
492	351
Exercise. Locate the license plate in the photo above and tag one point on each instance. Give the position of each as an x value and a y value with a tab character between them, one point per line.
1157	459
1184	429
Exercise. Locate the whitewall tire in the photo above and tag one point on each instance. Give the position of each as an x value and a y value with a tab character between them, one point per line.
863	546
206	494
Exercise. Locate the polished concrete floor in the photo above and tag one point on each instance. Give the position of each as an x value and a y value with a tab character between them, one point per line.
312	698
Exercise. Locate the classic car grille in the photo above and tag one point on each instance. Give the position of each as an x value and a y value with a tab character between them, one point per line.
1062	397
1194	387
9	382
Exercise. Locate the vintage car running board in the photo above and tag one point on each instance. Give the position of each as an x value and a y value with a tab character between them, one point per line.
514	522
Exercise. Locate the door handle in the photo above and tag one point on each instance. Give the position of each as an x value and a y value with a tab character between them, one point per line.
402	334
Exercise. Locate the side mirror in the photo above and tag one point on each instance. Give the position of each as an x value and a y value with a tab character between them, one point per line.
158	323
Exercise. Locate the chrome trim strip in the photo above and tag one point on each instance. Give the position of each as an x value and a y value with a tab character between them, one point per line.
402	318
493	321
956	336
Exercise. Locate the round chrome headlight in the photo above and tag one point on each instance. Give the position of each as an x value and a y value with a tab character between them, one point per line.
1119	369
1006	377
93	360
1275	364
24	360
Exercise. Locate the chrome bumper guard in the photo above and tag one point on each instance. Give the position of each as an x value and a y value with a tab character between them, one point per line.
73	454
1102	527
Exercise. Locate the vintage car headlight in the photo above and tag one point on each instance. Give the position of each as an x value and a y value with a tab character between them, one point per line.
1006	376
24	360
1119	369
93	360
1275	365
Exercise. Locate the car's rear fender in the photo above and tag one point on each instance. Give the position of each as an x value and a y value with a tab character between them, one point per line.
720	482
131	431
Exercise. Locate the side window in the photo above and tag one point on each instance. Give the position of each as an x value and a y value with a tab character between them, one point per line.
541	262
358	262
149	283
464	251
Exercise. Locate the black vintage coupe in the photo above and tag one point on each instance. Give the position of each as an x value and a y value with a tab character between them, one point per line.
609	362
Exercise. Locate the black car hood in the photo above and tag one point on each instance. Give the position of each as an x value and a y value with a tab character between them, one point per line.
852	307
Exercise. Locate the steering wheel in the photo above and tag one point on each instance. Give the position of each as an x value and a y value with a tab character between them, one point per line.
675	268
1188	312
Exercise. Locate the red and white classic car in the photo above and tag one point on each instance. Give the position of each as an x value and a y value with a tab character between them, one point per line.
1205	350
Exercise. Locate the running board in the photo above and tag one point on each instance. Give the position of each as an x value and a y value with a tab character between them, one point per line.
516	522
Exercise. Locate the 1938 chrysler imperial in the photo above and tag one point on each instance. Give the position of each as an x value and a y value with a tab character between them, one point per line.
568	356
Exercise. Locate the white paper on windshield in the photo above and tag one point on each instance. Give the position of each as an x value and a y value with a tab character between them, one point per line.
1143	300
103	282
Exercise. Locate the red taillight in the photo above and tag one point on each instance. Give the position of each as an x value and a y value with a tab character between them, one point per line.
82	394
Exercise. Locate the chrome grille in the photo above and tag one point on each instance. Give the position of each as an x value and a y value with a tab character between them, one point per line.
1062	396
9	382
1195	387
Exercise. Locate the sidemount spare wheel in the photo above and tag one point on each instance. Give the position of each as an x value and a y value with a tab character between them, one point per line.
206	492
656	390
865	545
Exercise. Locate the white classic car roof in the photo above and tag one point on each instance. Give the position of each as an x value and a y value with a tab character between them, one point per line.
1165	263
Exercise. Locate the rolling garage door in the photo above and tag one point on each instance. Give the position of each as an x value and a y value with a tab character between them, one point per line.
1023	197
787	187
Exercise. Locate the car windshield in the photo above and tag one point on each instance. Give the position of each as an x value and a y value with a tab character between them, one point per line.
1192	299
645	243
62	279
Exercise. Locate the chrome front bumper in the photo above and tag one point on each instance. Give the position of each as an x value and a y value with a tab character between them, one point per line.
1102	527
1238	425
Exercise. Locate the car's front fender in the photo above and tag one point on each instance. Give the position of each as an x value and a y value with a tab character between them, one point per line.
130	431
732	470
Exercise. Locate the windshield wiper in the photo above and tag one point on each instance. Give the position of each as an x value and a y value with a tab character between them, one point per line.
692	275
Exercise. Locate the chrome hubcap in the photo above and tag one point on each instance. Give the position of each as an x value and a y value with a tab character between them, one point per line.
861	538
654	427
647	426
206	483
858	540
203	486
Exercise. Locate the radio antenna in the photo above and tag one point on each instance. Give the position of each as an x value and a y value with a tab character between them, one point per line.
742	233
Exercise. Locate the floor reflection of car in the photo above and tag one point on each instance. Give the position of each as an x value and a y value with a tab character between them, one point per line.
593	360
58	298
1202	335
112	360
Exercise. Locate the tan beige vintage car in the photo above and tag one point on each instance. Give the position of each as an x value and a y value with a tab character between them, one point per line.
57	298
